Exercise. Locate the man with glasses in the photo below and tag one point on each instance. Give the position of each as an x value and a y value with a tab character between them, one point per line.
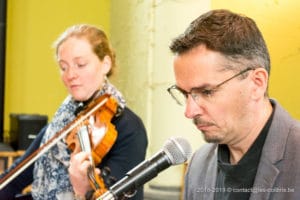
222	68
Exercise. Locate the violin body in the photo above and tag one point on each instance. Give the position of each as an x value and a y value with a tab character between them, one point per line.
103	117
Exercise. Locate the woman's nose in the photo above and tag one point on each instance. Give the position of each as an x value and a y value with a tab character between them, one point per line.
71	73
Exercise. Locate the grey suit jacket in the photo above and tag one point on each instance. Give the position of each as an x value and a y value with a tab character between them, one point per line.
278	173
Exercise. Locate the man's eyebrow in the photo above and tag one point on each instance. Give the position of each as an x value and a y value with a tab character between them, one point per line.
203	86
179	88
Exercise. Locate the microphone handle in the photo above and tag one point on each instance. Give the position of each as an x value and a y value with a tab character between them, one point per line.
139	175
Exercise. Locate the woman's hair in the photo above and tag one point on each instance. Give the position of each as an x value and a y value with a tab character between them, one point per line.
95	36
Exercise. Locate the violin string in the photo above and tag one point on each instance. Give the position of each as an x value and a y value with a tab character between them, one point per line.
91	175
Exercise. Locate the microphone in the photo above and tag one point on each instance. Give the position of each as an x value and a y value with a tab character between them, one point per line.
176	150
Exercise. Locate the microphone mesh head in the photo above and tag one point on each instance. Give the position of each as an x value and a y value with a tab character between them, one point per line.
178	150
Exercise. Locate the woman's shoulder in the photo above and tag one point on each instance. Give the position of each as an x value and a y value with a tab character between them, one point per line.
128	118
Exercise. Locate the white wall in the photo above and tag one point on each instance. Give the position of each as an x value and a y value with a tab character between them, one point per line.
141	32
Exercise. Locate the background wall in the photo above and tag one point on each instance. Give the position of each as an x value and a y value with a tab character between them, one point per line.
33	83
279	21
146	72
140	32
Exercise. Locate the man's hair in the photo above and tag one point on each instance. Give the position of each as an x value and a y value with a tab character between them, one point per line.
235	36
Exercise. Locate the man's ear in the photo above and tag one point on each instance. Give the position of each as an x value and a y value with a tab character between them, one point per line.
260	79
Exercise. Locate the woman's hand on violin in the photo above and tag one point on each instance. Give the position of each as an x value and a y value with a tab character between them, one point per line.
78	170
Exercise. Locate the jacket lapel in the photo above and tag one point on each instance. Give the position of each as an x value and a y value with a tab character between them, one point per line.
265	179
272	153
211	176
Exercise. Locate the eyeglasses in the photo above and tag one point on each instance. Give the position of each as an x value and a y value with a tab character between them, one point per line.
180	95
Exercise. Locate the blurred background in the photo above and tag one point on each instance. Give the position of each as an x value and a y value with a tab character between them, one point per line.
140	32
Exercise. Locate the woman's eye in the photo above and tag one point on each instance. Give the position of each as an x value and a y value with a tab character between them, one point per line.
62	68
81	65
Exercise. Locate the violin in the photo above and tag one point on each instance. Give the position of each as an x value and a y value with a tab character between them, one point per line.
80	140
77	136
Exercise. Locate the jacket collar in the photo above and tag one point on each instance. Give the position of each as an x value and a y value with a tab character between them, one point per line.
272	153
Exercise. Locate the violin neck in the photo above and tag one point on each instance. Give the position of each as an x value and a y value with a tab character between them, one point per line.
84	140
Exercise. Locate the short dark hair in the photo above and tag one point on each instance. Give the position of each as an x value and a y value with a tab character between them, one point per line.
235	36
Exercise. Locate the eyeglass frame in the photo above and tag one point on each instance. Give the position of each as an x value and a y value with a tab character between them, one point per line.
203	90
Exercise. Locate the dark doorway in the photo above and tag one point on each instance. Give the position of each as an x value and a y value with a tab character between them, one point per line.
2	63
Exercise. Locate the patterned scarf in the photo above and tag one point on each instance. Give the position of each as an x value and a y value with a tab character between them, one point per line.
51	178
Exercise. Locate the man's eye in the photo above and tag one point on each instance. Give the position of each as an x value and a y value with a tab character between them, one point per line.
207	92
185	94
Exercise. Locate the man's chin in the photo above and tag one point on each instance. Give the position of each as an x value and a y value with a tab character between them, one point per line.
212	138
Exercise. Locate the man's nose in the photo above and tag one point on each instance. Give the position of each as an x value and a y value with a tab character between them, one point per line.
192	108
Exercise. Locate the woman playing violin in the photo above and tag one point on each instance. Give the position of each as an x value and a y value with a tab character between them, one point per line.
85	60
